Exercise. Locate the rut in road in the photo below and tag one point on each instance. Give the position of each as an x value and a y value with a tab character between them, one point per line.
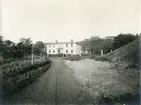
57	86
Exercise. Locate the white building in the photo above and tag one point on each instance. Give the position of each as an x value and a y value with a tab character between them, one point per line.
67	48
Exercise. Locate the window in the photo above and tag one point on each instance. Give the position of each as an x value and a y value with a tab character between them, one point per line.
71	45
50	46
71	51
49	51
66	45
53	46
58	51
53	51
66	51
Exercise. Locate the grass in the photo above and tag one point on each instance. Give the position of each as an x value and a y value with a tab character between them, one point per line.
125	57
19	67
126	61
18	74
100	82
9	60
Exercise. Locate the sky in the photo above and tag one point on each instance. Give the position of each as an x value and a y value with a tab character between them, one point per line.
63	20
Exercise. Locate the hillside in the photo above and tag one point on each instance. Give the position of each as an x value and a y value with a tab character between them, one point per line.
127	56
126	61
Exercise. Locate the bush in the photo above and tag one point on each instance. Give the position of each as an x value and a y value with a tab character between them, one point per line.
9	60
17	74
73	58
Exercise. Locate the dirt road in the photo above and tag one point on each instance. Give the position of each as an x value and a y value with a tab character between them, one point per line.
71	83
57	86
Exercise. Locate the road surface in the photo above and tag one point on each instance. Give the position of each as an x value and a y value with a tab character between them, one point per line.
57	86
71	83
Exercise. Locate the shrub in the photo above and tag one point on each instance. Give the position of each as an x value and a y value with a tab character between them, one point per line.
17	74
73	58
9	60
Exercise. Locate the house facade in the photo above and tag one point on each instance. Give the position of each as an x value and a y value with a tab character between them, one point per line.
65	48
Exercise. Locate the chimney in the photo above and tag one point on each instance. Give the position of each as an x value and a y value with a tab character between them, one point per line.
56	41
71	41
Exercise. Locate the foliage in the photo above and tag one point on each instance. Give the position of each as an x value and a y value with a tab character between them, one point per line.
25	46
22	66
9	49
73	58
123	39
85	44
17	74
100	44
94	46
1	44
125	57
126	61
39	47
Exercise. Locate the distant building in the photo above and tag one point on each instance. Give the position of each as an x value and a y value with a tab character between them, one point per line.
67	48
94	37
109	37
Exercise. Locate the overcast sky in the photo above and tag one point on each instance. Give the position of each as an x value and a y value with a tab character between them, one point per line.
62	20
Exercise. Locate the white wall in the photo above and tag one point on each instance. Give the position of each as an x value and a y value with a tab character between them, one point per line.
76	48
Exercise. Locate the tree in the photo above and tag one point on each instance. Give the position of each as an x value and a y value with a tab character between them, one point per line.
39	47
1	39
122	39
85	44
26	45
26	41
100	44
9	45
22	48
94	45
1	45
8	49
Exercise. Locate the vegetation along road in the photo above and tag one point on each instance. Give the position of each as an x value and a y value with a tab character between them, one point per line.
73	83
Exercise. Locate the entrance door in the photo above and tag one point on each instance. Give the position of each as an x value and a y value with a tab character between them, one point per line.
59	51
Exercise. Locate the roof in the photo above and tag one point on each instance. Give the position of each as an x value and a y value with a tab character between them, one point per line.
62	43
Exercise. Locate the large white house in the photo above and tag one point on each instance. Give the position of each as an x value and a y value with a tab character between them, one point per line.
67	48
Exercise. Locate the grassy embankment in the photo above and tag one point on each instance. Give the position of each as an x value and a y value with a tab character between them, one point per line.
9	60
126	60
18	74
127	56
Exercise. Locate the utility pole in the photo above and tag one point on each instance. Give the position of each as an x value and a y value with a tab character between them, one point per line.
90	53
31	61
